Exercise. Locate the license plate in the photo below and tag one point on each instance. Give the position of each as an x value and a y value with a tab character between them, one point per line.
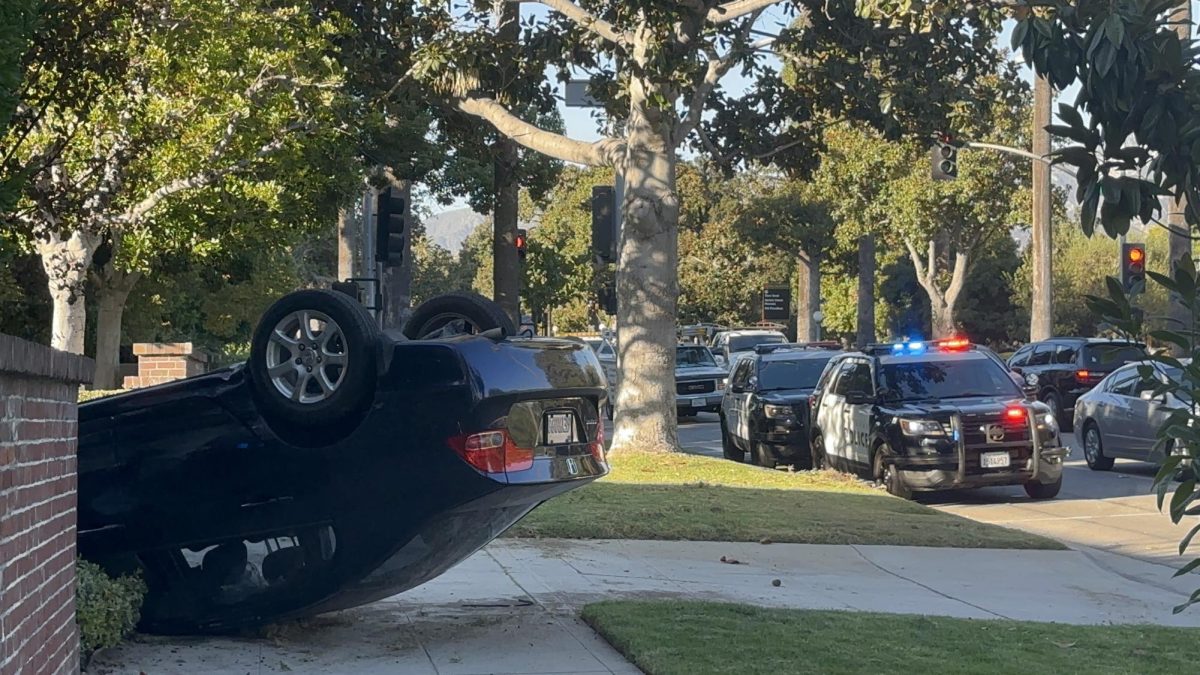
994	460
560	428
699	403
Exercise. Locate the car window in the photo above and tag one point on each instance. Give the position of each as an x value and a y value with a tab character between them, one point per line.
853	376
1123	383
1041	355
743	343
605	350
1021	357
791	374
1066	354
694	357
741	372
1111	356
968	378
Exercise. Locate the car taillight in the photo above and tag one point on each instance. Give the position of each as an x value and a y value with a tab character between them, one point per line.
492	452
1082	375
597	445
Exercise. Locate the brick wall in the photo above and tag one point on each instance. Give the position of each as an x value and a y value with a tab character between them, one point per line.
160	362
38	389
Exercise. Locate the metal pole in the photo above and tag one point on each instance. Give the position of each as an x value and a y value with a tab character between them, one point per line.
1041	320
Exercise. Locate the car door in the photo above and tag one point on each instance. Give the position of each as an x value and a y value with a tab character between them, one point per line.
1038	365
738	395
838	413
1144	410
860	384
829	410
1115	415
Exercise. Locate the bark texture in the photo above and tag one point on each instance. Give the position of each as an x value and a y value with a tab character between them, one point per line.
866	291
1041	319
66	262
112	290
506	267
348	244
808	297
942	302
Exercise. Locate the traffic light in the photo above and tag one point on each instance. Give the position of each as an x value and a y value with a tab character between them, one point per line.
944	158
391	226
604	223
522	244
1133	268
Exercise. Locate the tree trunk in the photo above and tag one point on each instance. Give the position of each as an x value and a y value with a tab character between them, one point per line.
942	303
112	291
808	298
506	268
1041	319
348	247
866	291
66	262
1179	244
648	275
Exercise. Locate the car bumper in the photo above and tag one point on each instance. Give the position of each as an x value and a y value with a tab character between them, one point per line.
935	473
710	402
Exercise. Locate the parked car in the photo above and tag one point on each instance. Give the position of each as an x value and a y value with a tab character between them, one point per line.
699	381
338	466
1121	416
765	413
934	416
1063	369
732	342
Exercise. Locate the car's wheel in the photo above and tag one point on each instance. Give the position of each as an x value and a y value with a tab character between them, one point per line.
457	314
762	455
1038	490
819	459
886	473
728	449
1052	401
313	361
1093	448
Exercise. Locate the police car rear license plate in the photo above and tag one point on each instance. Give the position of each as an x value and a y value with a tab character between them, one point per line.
994	460
560	428
698	403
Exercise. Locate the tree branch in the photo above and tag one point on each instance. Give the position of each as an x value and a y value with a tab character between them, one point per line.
582	18
958	278
717	67
737	8
203	178
604	152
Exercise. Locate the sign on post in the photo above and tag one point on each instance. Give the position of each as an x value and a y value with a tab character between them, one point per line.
776	303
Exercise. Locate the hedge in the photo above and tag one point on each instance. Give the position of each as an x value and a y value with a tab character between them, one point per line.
106	609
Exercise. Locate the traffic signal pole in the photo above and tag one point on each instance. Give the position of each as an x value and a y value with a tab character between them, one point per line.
1041	319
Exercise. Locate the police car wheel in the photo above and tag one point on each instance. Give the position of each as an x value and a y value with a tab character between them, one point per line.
819	459
1038	490
762	456
728	449
886	473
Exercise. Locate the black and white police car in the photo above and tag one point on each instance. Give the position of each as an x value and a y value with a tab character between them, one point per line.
764	413
934	416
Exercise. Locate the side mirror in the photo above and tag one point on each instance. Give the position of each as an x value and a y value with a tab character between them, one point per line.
721	361
1030	391
1015	369
1149	396
737	389
857	398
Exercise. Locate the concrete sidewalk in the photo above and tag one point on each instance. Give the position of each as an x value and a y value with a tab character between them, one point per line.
511	608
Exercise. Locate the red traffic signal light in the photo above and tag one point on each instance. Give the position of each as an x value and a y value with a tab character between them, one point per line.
522	242
1136	258
1133	267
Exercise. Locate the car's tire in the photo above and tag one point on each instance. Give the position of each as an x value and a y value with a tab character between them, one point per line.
819	459
1093	448
299	388
1039	490
457	314
687	413
889	477
762	456
1054	401
728	449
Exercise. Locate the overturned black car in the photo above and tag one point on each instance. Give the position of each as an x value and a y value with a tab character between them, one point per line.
338	466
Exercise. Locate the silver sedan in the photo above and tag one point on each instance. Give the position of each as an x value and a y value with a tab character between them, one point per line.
1121	416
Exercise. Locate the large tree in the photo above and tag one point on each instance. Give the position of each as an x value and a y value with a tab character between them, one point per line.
657	67
191	94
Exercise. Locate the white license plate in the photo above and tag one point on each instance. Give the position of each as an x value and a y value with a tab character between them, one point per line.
699	402
994	460
560	428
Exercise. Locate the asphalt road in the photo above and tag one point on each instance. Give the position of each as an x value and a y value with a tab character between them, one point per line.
1112	511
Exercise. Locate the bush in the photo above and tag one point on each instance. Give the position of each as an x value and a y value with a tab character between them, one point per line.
106	609
86	395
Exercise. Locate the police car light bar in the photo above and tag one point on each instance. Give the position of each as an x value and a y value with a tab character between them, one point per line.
954	344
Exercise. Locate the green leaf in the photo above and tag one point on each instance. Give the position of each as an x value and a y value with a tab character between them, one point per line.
1183	494
1106	56
1191	601
1114	28
1187	540
1172	337
1191	565
1019	33
1070	115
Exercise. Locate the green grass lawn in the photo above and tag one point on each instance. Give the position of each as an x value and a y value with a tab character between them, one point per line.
695	498
697	638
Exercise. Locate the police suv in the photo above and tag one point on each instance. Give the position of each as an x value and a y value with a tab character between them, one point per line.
934	416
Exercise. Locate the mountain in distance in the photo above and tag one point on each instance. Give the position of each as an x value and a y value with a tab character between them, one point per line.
449	229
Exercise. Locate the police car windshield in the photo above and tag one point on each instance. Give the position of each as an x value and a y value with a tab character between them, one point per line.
741	343
694	357
961	378
793	374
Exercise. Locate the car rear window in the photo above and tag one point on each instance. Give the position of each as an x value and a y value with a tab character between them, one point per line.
741	343
1111	357
795	374
917	380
